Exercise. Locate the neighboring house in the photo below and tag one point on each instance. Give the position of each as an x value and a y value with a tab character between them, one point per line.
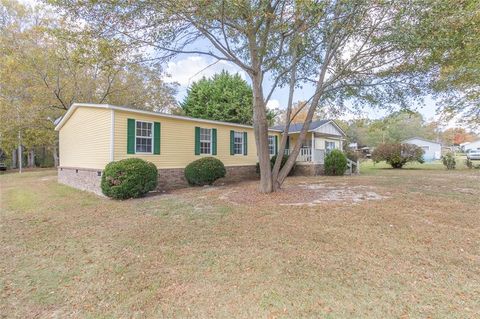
433	150
92	135
475	145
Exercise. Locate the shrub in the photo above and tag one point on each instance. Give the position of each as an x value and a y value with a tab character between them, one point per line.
470	164
449	161
272	163
129	178
397	155
335	163
204	171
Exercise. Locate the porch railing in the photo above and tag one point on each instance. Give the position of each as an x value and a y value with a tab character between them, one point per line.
306	155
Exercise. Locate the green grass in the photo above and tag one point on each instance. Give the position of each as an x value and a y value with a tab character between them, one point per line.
370	167
228	252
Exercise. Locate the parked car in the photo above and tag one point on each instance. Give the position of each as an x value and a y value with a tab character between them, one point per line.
3	167
473	154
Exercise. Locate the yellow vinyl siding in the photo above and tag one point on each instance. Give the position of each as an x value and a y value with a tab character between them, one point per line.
85	139
320	143
177	142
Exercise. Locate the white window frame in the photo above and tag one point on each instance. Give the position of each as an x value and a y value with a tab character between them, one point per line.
146	137
273	143
242	149
206	141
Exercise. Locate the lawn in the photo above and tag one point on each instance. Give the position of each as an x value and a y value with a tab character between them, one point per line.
385	244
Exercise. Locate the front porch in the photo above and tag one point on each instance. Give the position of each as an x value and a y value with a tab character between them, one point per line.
322	137
309	155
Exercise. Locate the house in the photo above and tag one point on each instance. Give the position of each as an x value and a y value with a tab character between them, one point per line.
433	150
322	137
92	135
475	145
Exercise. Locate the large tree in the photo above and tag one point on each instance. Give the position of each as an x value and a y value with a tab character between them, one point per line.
47	65
224	97
343	49
447	32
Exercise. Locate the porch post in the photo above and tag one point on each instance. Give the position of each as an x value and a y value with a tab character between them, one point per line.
313	148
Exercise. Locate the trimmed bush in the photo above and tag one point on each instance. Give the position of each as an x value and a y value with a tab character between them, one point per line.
204	171
449	161
335	163
129	178
397	155
272	163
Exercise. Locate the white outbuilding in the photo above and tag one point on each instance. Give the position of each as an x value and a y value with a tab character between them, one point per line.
475	145
433	150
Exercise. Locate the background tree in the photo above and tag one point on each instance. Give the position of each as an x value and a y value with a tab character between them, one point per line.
447	33
47	65
457	135
224	97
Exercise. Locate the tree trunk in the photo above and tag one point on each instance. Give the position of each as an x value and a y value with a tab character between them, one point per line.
31	158
14	158
260	127
55	155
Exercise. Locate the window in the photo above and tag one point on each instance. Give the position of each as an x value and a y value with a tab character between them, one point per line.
329	146
205	141
238	143
271	145
143	137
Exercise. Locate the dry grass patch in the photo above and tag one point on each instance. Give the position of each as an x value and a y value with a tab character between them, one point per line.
223	252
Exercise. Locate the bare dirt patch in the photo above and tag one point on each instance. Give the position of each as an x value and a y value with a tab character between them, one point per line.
300	193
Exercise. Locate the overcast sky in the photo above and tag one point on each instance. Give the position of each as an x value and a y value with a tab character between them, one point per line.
186	69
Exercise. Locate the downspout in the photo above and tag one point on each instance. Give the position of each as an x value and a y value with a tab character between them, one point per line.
112	136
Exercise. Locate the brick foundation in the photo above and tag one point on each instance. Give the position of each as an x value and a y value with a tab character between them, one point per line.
85	179
308	170
171	178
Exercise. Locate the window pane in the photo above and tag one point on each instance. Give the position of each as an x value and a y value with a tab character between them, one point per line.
271	145
144	129
205	140
238	143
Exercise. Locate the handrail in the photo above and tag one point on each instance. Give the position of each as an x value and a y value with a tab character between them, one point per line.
351	164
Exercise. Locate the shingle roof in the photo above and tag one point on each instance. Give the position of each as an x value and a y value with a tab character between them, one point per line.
420	138
297	127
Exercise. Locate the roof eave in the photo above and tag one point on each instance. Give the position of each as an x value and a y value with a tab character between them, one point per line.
125	109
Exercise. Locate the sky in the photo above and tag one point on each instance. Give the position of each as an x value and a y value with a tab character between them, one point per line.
188	68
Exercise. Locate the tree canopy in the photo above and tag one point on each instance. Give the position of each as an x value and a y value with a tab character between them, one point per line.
447	34
48	64
224	97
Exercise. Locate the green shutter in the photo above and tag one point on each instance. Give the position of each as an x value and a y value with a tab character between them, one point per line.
156	138
214	141
288	143
276	144
197	140
245	143
232	141
130	136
